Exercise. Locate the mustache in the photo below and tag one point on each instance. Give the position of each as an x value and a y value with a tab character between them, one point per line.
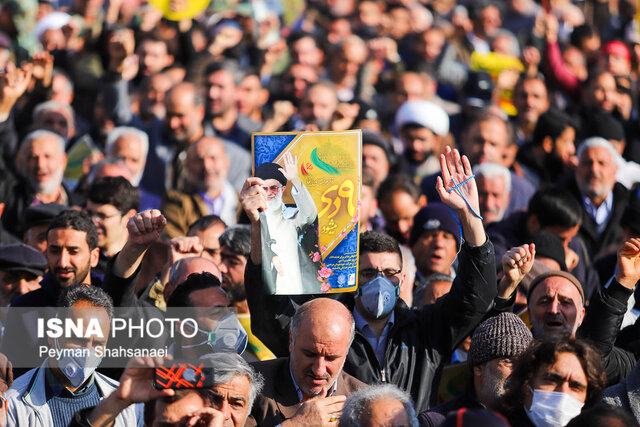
310	373
64	270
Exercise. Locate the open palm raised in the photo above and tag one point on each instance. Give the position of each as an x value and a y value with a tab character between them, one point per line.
455	171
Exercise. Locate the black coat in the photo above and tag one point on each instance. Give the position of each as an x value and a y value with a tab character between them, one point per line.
420	341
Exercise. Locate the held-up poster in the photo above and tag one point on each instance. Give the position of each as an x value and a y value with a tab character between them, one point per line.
309	229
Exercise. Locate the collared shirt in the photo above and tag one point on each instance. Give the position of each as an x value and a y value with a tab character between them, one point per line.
600	214
214	204
300	396
379	344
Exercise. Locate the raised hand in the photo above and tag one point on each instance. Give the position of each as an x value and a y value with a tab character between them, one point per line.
456	170
13	83
121	46
136	382
253	198
206	417
146	227
629	263
43	68
184	247
290	170
516	263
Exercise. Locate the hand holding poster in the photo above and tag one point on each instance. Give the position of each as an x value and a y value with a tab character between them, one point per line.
309	246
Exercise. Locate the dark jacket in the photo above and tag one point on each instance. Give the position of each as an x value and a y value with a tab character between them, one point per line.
612	234
420	341
602	324
279	399
435	417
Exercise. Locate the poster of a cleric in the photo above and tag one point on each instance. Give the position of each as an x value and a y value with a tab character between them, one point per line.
309	228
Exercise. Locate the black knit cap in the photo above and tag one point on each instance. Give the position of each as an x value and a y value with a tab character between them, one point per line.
504	335
271	171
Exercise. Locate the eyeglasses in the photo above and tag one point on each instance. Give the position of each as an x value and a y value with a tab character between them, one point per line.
272	188
390	273
99	216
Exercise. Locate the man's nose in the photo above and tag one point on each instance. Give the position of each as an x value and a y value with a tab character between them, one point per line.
319	367
225	408
63	259
555	306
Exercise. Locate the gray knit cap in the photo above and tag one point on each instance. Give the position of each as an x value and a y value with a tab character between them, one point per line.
504	335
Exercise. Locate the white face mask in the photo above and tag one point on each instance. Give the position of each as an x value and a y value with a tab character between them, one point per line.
78	369
552	408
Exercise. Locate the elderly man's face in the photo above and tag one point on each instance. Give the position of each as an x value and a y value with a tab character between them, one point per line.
57	121
566	375
208	165
596	173
386	412
555	306
232	399
16	283
317	353
486	141
129	148
489	380
493	197
45	164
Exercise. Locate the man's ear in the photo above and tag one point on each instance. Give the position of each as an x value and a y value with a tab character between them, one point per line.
477	371
95	256
422	201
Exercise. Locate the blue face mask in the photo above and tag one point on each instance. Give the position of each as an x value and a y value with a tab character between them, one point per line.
227	336
378	296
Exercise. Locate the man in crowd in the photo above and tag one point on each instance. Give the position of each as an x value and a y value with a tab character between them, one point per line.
37	220
399	200
111	203
494	191
495	346
601	198
206	190
21	270
309	387
434	240
384	323
421	126
235	247
531	100
208	229
562	365
50	394
225	120
235	388
383	404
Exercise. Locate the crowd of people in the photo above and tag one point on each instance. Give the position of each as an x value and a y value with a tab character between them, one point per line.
499	212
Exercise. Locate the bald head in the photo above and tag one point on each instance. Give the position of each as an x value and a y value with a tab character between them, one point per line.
320	337
314	315
182	268
184	112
